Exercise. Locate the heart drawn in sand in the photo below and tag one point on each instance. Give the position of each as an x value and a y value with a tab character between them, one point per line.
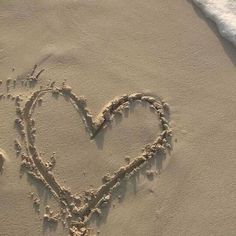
77	210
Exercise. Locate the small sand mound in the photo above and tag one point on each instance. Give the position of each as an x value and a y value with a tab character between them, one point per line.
2	160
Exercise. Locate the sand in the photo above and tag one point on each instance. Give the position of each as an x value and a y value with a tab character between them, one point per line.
164	50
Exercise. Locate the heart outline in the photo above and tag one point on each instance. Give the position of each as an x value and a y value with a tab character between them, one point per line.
36	167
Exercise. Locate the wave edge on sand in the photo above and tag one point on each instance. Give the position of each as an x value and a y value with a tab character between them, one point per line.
223	13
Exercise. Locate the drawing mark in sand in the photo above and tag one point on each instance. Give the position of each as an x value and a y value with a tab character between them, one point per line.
76	211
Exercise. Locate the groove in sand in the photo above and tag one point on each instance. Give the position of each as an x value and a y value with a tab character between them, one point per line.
71	214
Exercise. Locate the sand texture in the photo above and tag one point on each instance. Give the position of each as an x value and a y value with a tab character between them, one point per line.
116	118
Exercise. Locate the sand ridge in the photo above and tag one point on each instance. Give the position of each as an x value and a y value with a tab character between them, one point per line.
3	158
77	210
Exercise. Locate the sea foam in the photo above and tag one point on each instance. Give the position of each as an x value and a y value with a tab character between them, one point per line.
223	13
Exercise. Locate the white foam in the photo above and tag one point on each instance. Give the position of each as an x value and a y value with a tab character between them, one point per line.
223	13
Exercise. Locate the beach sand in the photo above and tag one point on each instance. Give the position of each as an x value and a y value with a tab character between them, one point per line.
104	49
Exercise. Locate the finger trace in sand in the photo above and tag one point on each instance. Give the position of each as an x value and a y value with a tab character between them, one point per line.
76	211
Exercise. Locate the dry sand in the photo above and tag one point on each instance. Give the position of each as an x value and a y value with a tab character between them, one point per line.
104	49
